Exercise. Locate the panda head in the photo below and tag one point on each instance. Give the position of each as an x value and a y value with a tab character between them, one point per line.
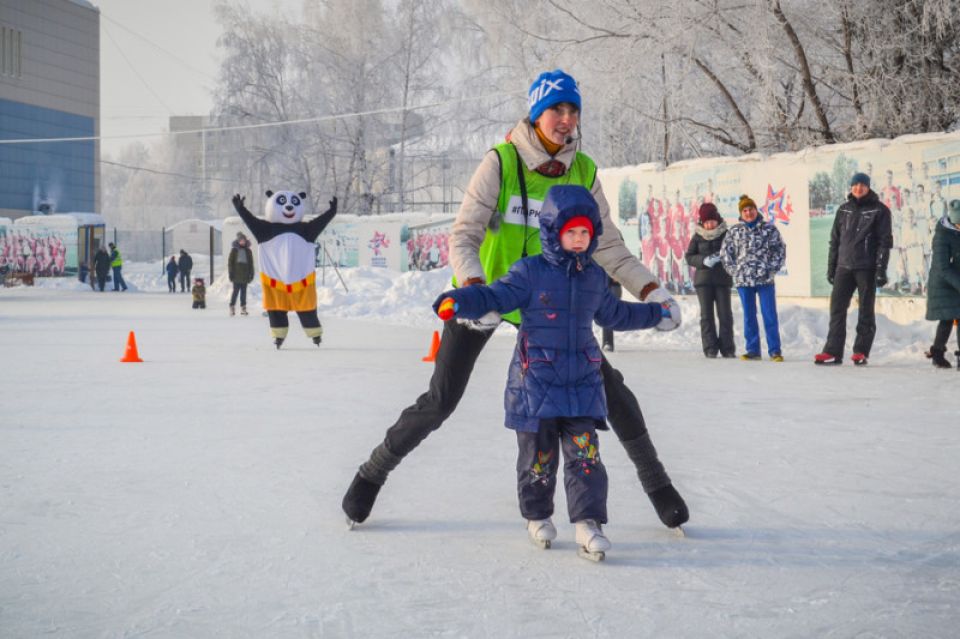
284	207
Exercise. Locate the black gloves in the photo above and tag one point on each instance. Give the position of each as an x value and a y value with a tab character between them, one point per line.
881	279
830	277
238	202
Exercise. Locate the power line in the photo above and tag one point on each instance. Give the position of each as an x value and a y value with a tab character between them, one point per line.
264	125
182	175
137	73
157	46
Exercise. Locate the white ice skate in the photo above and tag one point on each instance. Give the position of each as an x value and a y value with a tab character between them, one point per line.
541	531
592	544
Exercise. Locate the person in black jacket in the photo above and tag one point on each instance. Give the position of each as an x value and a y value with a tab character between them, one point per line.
185	264
172	274
101	266
860	244
712	282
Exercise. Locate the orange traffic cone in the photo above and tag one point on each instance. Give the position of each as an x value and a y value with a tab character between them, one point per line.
434	347
131	355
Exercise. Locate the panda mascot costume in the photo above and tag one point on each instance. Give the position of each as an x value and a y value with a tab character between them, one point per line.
287	260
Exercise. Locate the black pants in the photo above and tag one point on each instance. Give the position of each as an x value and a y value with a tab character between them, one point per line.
460	347
944	328
617	291
184	280
101	281
172	283
716	298
845	282
241	288
279	319
584	476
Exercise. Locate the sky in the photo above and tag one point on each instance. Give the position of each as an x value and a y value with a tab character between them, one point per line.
197	494
159	59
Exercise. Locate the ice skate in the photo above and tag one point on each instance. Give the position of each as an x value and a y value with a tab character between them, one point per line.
592	544
243	310
358	500
277	341
670	507
542	532
317	340
233	311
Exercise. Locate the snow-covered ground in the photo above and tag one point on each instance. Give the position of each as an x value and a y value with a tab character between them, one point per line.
198	494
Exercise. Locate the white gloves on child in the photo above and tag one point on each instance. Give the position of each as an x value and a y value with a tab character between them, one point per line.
669	306
710	260
486	323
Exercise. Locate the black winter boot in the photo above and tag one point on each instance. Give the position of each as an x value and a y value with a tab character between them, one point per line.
358	501
668	503
937	356
670	506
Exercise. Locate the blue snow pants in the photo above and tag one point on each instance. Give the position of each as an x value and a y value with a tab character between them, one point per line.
768	309
584	476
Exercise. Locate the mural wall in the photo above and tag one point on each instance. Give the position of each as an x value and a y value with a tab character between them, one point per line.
915	176
395	241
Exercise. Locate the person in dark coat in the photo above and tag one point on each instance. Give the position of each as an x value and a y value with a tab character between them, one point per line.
860	244
101	266
712	282
172	274
555	398
185	264
240	269
943	284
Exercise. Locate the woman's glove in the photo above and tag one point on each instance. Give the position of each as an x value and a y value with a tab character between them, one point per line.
710	260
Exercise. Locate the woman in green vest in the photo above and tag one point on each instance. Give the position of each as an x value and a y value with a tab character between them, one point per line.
497	224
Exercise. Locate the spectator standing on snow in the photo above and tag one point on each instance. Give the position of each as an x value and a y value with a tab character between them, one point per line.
185	264
753	252
712	282
116	263
554	398
860	244
496	226
943	284
101	267
172	274
199	293
240	271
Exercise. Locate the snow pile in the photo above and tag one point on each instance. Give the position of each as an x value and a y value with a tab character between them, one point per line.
404	299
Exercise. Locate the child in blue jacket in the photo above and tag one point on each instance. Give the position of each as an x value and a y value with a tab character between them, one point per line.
554	397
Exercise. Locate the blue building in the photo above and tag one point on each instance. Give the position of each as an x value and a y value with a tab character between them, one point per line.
49	88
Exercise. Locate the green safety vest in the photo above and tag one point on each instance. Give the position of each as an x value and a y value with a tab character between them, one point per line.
504	245
116	260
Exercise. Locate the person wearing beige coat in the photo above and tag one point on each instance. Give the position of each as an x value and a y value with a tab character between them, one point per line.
496	225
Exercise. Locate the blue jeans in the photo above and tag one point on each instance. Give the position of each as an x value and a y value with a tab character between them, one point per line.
118	282
768	308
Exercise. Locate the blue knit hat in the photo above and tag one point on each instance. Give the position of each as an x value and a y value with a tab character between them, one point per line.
860	178
552	87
